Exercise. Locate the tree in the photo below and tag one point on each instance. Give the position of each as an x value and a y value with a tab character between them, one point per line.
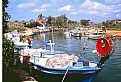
40	17
31	20
5	15
8	52
62	20
16	21
22	21
49	20
84	22
8	47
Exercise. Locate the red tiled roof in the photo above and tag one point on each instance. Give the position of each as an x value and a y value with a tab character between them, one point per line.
38	20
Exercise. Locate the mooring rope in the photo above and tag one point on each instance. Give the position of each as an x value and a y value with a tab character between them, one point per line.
65	74
93	57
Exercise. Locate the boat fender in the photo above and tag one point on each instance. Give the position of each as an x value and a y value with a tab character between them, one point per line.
71	63
35	67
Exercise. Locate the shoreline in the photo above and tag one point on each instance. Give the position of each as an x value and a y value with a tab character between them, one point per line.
108	32
112	32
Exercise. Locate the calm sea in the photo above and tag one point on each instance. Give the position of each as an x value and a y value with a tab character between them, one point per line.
73	45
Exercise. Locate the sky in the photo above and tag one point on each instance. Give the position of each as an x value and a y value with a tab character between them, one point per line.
96	10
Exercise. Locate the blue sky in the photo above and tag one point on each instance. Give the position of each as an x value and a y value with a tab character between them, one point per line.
95	10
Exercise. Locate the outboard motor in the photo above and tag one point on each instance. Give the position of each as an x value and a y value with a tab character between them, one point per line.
105	49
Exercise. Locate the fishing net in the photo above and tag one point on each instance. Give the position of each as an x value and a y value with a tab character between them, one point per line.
61	60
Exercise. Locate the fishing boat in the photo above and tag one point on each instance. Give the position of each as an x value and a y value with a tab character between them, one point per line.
43	28
96	34
21	42
76	32
94	37
67	33
57	66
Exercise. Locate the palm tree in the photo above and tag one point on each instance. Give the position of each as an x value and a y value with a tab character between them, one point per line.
40	17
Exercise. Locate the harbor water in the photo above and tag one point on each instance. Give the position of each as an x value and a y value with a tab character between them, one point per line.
73	45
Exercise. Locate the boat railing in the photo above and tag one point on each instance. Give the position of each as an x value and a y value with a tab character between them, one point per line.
49	43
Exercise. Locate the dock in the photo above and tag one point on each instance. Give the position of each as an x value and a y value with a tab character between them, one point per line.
24	76
18	73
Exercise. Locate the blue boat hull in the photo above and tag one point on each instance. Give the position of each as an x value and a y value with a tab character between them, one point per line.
53	75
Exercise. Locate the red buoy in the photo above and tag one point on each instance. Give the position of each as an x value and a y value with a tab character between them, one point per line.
104	46
110	43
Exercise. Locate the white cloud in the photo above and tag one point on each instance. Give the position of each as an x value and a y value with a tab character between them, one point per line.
46	5
66	8
113	1
87	3
25	5
105	14
90	5
118	15
95	8
39	10
74	13
22	19
116	11
12	0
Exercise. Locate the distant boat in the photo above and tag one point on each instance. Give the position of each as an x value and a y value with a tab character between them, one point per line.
57	66
43	28
67	33
35	30
76	33
95	35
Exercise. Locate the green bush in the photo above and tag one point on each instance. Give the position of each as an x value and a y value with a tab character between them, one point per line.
20	29
8	52
116	29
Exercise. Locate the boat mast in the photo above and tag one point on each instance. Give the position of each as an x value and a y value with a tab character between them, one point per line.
52	34
52	43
